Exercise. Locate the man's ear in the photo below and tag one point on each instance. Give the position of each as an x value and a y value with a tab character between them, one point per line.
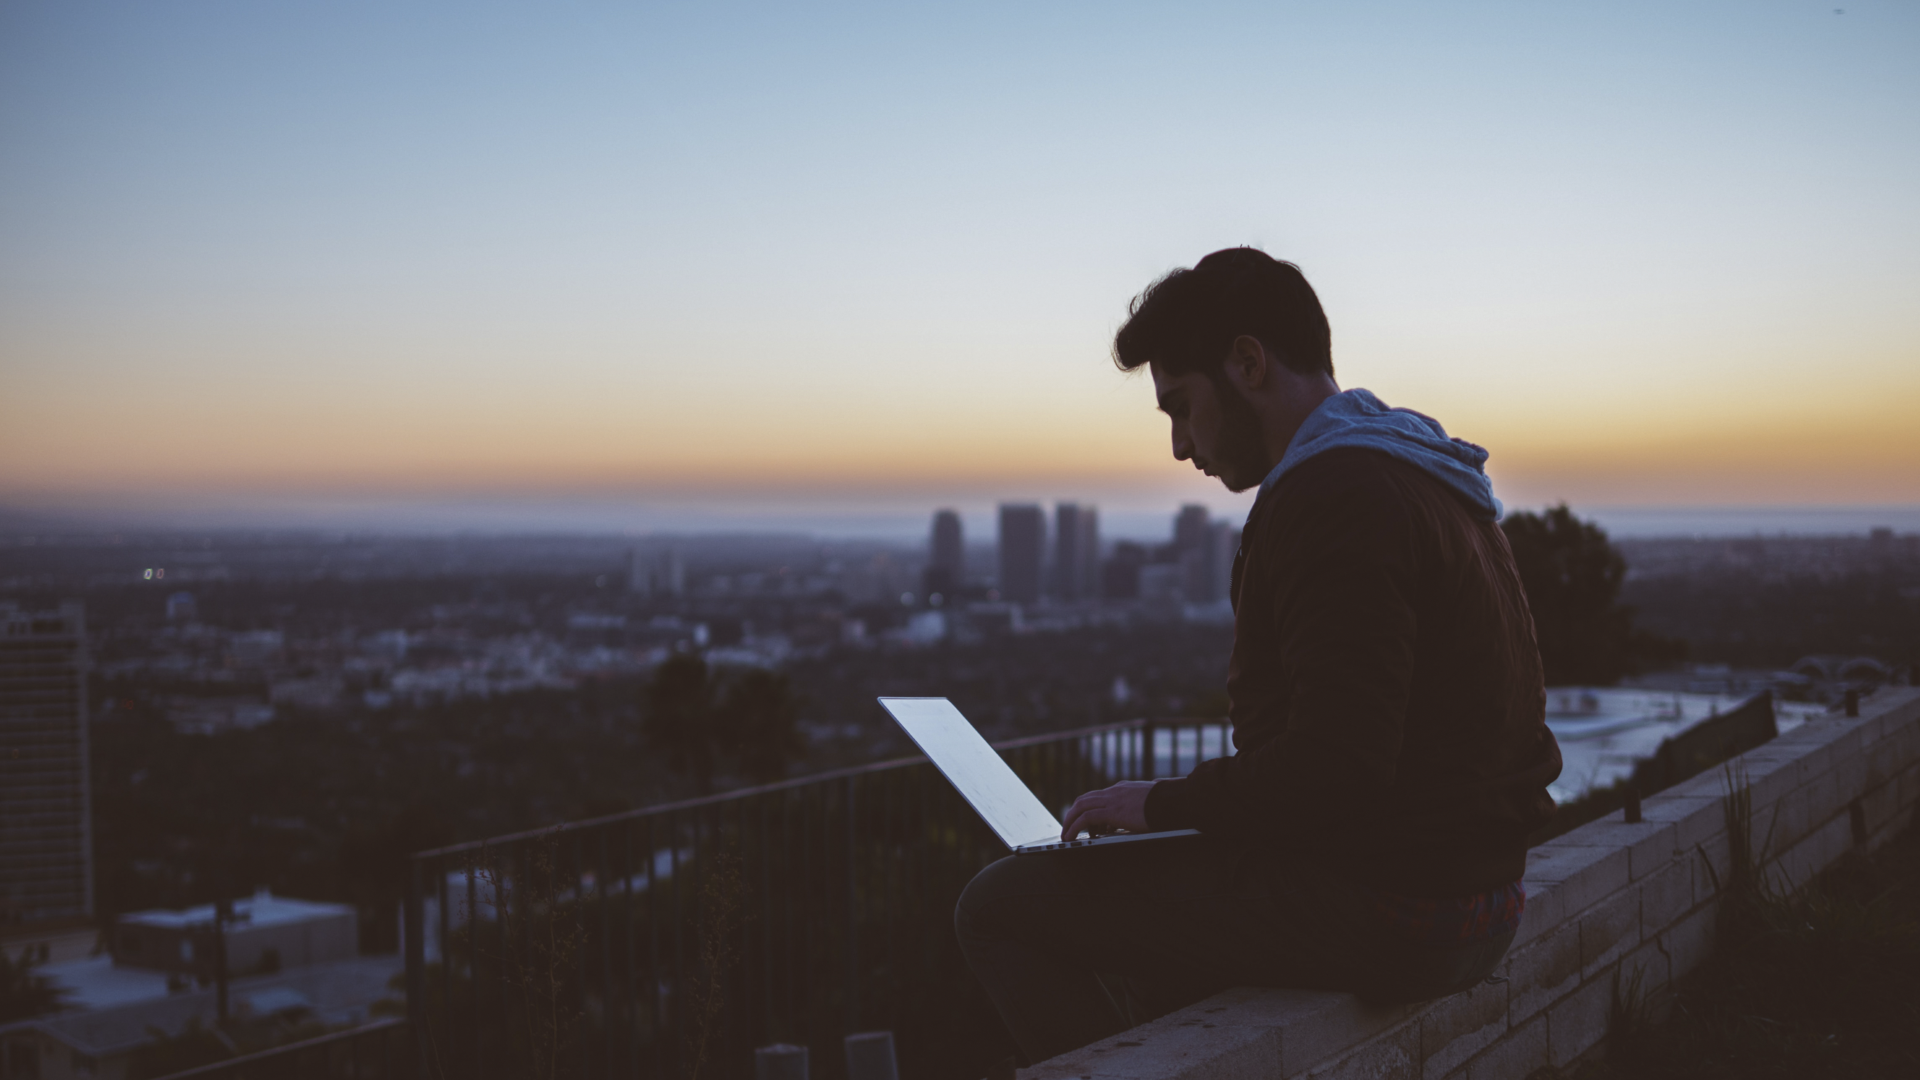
1249	361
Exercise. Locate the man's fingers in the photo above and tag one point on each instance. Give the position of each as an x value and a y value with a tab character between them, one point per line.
1082	816
1107	810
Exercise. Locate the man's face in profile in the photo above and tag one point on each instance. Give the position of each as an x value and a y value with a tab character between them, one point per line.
1213	426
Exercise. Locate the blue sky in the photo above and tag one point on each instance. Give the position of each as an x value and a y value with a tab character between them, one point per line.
270	260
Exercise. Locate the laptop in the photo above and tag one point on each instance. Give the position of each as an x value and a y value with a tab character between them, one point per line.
988	784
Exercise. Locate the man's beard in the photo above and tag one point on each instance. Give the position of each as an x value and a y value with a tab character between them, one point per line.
1242	462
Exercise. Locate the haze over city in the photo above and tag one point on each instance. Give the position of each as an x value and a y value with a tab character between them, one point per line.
480	266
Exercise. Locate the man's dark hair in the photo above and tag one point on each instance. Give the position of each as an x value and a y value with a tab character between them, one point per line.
1187	320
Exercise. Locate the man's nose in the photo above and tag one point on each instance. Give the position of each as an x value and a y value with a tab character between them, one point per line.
1182	443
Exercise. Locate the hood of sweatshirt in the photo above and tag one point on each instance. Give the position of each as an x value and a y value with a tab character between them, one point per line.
1355	418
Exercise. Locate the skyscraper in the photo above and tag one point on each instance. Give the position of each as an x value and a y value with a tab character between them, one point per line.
656	574
1023	540
1189	529
1076	558
946	557
46	805
1205	549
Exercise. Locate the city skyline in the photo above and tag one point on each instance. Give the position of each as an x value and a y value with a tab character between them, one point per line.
498	268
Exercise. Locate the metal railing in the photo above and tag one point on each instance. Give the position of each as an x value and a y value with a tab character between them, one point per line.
380	1050
669	942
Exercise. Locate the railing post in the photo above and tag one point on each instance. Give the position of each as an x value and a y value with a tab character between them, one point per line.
853	911
1148	760
413	925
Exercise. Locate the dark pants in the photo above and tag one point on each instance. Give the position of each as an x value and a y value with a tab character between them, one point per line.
1170	922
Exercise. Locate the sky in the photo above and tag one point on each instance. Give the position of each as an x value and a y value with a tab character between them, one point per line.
644	265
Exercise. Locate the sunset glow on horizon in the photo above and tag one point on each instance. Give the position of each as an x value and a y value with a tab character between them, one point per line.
1646	257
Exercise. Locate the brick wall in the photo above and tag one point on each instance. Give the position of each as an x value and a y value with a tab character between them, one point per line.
1606	900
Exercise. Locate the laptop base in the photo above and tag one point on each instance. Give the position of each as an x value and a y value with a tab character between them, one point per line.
1101	841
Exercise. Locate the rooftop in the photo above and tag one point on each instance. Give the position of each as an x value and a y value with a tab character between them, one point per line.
261	909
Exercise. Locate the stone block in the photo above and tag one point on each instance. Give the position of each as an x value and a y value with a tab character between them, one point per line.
1608	931
1151	1053
1790	819
1272	1032
1880	767
1879	839
1881	804
1650	965
1908	786
1319	1026
1543	912
1522	1053
1693	817
1767	829
1814	760
1234	1034
1899	745
1689	941
1666	896
1845	742
1648	843
1800	863
1769	775
1391	1055
1578	1022
1461	1025
1584	874
1849	774
1711	863
1542	972
1823	797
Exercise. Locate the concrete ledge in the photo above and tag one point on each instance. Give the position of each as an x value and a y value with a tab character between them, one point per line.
1606	901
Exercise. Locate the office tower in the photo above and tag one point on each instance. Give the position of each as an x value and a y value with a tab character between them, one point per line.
1023	540
946	556
1223	543
1076	556
1204	549
46	811
661	574
1189	530
1089	553
1120	577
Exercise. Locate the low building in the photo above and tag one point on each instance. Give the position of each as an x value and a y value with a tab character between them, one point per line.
266	933
264	1011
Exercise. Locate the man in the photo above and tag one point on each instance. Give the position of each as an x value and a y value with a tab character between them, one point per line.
1392	754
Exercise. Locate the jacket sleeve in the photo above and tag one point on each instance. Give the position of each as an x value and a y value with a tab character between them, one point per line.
1338	574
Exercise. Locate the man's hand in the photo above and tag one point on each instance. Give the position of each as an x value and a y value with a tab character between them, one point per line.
1122	806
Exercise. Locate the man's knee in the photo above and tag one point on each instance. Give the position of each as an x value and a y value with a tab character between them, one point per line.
1003	891
986	885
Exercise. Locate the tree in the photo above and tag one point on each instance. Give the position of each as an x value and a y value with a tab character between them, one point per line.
758	724
1572	576
22	993
694	717
679	717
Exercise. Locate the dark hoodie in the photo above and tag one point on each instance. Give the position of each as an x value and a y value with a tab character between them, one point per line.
1385	685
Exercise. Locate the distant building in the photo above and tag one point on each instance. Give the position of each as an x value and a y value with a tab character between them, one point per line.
658	574
107	1040
1076	558
1204	550
181	608
1209	569
46	804
1023	540
946	558
1190	530
266	933
1120	576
